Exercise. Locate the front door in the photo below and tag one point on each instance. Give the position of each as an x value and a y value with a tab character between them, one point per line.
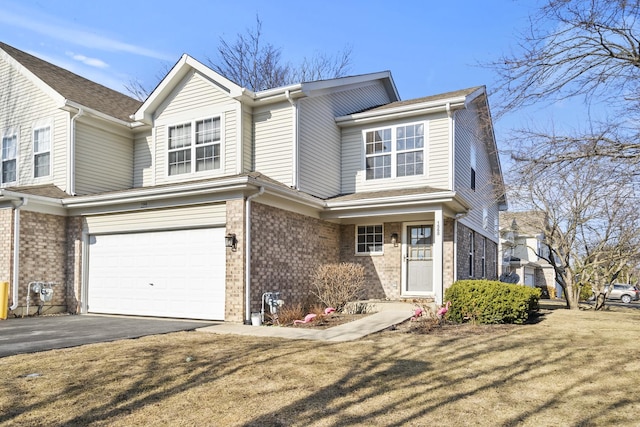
419	259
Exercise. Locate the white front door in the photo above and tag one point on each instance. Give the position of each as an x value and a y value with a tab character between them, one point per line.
167	274
418	260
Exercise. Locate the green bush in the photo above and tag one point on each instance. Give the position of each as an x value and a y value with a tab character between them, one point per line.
490	302
586	292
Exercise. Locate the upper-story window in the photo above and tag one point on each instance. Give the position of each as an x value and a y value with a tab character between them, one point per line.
195	146
395	151
9	164
41	152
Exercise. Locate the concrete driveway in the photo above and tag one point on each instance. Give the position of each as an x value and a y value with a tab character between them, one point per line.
34	334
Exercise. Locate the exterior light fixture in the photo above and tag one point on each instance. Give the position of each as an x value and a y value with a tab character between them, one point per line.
394	239
230	241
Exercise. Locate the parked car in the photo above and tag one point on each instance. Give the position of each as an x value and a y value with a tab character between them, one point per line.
623	292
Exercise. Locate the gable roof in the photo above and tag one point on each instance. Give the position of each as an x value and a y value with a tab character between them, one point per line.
72	88
187	64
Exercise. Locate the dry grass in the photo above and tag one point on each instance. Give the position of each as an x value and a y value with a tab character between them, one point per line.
569	369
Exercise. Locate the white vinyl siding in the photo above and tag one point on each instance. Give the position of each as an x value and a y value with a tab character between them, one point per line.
104	160
196	98
247	141
436	161
209	215
273	142
470	142
29	104
319	136
142	160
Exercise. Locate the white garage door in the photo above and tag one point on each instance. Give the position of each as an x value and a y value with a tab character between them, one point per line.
167	274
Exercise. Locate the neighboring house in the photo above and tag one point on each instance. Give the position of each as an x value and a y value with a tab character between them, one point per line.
523	252
207	195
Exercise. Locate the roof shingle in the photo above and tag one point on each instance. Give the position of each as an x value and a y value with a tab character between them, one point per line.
76	88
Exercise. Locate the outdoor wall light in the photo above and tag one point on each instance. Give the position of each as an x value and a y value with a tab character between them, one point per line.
394	239
230	241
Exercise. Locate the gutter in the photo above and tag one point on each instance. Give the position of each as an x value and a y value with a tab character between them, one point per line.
247	256
16	253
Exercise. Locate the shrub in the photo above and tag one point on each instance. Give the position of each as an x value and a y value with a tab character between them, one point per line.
338	284
490	302
287	314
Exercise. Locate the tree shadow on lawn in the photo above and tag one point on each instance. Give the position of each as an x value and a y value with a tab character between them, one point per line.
393	379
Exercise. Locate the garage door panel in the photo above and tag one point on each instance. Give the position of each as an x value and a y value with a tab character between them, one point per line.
168	274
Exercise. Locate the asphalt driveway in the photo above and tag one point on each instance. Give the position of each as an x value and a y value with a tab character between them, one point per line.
34	334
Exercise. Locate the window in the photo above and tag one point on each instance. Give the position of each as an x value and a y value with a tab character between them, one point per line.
9	163
41	152
394	151
199	143
473	167
471	252
484	257
369	239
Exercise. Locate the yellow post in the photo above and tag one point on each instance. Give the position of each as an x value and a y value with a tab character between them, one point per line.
4	299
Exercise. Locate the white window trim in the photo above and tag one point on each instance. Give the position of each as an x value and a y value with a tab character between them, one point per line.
394	152
7	133
193	173
43	124
378	253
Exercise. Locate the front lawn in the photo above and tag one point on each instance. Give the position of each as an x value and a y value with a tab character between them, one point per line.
571	368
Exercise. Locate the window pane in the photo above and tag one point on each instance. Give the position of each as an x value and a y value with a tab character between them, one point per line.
369	239
41	165
41	140
179	162
8	171
9	147
179	136
207	131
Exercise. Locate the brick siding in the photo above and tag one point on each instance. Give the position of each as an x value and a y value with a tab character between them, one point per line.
235	263
286	247
43	256
491	257
383	271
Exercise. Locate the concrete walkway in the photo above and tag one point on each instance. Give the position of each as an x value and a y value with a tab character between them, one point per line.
388	314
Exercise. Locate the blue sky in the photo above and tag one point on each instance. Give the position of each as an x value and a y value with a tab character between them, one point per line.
429	46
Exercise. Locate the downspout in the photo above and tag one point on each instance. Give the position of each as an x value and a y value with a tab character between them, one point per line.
71	184
247	257
294	178
16	253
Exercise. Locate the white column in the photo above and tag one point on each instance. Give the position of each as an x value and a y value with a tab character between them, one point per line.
438	262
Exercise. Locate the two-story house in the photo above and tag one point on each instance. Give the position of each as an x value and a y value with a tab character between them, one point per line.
523	252
195	202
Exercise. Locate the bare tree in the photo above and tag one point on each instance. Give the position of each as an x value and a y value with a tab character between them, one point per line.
250	62
257	65
578	48
591	227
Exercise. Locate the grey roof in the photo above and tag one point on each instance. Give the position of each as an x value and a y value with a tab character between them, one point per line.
45	190
76	88
386	193
431	98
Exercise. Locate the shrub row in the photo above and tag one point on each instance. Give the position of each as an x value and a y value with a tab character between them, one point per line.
490	302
